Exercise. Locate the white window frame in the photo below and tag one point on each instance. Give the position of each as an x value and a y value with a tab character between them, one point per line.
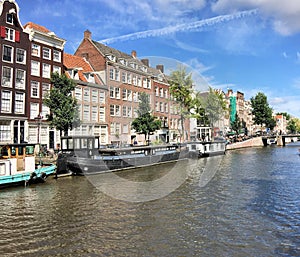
46	70
7	80
20	80
21	53
10	34
56	56
35	68
20	103
6	101
45	89
57	69
11	56
34	89
34	110
46	53
35	50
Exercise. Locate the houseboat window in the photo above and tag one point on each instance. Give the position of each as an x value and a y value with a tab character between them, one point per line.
90	143
29	149
4	151
77	143
84	143
13	151
64	144
20	150
71	143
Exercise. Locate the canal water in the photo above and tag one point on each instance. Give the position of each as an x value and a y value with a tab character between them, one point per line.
246	203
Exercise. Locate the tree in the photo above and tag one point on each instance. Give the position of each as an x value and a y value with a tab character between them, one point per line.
145	123
236	125
292	126
215	107
64	114
181	88
261	110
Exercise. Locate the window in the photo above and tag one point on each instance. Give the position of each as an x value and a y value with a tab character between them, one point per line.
124	94
46	70
78	93
111	73
94	96
129	95
166	107
128	78
94	113
125	128
35	68
19	103
45	89
46	53
161	92
7	77
117	92
134	81
115	110
86	112
124	77
5	133
21	56
9	34
127	111
117	75
86	94
156	91
35	50
57	69
101	97
139	82
102	113
56	56
20	79
6	101
9	18
7	53
34	89
45	111
34	110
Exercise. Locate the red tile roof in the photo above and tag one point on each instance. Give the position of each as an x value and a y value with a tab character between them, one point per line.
37	27
72	62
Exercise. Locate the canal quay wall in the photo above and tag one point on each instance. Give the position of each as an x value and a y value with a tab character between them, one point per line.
253	142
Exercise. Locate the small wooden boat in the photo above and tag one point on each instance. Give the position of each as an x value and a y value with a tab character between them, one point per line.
18	165
83	155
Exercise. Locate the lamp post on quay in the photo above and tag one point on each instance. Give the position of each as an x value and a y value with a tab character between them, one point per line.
38	119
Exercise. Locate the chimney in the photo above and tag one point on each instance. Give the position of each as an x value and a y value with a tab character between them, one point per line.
145	62
133	54
160	67
87	34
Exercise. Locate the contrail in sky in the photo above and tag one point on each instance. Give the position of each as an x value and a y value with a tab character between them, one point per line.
193	26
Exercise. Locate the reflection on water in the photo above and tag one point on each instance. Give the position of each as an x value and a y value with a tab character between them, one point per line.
249	207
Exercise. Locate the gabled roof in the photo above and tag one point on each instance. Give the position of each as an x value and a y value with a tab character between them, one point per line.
79	63
37	27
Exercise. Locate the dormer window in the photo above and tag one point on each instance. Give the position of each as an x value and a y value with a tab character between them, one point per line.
9	18
111	58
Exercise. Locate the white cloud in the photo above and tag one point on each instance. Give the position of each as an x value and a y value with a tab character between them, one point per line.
285	16
185	27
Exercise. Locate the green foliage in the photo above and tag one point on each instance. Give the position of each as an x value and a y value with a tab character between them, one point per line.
181	88
292	126
262	111
145	123
236	125
214	105
198	111
64	113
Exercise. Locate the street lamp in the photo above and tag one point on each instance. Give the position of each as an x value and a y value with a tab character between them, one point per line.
38	119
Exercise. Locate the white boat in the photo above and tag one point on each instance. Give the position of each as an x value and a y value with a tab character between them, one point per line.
18	165
199	149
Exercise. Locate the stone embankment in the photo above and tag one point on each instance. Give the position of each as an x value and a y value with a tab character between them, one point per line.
255	141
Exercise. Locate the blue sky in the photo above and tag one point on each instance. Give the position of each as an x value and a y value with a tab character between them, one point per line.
245	45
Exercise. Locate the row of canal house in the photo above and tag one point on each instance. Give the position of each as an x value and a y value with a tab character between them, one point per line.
108	86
